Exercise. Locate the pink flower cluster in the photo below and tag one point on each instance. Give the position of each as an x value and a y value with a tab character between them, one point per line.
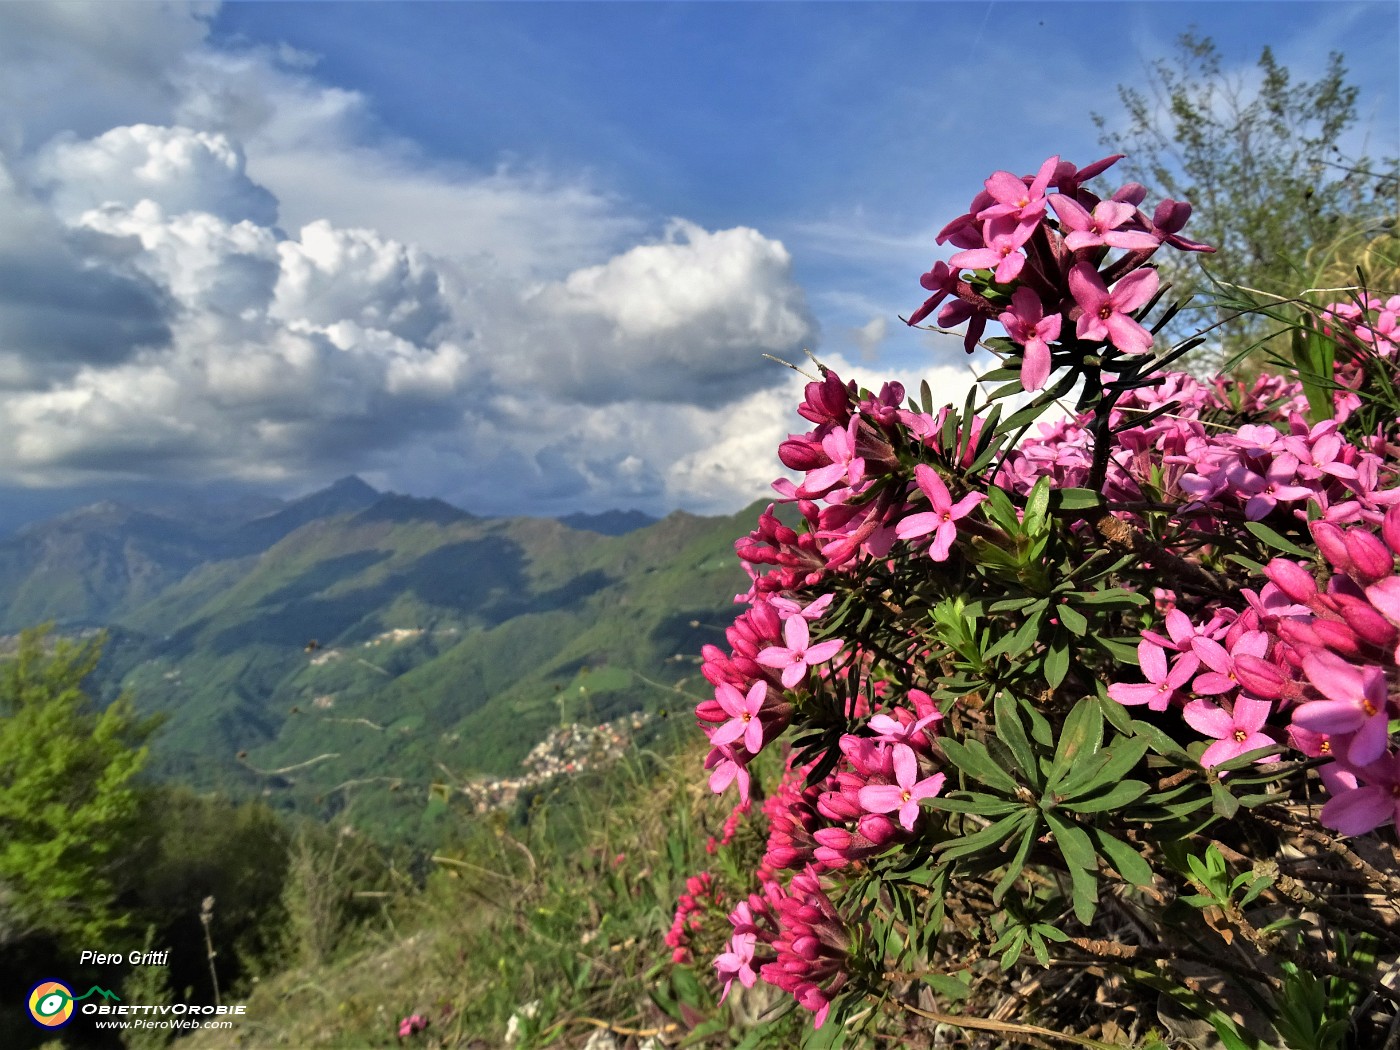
1316	667
793	938
1292	664
1043	273
412	1025
701	895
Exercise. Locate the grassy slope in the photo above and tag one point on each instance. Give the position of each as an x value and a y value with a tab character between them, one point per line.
570	915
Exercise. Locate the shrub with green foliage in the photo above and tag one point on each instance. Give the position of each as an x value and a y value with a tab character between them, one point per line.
69	807
1118	696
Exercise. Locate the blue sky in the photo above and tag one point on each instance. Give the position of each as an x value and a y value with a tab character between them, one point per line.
523	256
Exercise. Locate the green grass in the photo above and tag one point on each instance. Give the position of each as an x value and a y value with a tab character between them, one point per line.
569	914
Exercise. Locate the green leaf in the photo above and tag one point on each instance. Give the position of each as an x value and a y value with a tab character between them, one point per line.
1159	741
1037	507
1075	499
1111	597
1073	842
1127	861
972	758
1056	662
1082	735
1262	532
973	802
1073	619
1013	870
1084	888
946	985
1224	803
1122	794
1012	733
989	837
1021	639
1116	761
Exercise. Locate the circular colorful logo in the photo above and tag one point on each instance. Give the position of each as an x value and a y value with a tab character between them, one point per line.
51	1004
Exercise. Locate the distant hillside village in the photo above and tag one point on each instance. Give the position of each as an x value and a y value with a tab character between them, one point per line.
566	751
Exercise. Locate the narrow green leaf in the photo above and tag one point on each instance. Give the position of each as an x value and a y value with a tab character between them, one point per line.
947	986
1037	507
1262	532
1224	803
1073	842
978	802
1021	639
1084	888
987	838
1113	763
1012	733
971	757
1018	861
1127	861
1073	619
1075	499
1056	662
1122	794
1082	735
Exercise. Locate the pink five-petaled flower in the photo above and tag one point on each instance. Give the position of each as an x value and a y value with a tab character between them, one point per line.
1362	799
743	711
940	519
1101	227
1003	251
794	658
1014	198
1161	686
1105	313
1026	324
1236	732
737	962
1356	702
905	793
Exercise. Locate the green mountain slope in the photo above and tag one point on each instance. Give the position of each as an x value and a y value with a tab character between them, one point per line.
364	657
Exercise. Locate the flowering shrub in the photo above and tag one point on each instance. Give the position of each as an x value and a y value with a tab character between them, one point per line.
1101	694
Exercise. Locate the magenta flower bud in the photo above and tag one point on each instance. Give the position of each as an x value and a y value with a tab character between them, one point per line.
827	402
1171	215
835	805
1372	627
878	828
1293	580
1390	528
1338	637
1332	543
710	711
767	623
802	453
1370	557
1262	679
1385	596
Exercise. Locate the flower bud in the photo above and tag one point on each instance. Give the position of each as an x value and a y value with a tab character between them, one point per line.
1390	528
1330	541
803	453
1371	559
1262	679
1292	579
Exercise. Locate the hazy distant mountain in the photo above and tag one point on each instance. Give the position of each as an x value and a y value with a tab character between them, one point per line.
347	495
609	522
